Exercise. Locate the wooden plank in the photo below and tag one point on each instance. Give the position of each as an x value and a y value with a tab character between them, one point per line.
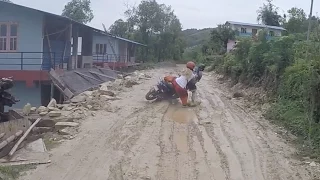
103	75
10	139
1	135
15	147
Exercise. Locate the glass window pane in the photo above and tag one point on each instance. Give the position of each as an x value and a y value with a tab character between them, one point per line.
13	30
3	30
97	48
13	44
1	44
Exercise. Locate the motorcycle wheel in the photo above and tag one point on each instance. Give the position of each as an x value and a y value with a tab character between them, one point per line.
151	95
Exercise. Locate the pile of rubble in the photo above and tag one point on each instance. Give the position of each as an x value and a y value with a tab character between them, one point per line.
59	116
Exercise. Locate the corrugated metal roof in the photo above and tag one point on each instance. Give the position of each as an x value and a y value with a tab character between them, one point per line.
256	25
66	18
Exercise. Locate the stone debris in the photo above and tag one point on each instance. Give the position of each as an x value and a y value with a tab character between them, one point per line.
33	109
52	103
42	109
54	113
66	124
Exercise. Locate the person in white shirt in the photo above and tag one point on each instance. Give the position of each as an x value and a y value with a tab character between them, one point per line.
180	83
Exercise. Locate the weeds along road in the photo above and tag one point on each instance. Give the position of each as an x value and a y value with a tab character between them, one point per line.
159	141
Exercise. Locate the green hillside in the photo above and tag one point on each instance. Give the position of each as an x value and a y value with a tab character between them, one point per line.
194	37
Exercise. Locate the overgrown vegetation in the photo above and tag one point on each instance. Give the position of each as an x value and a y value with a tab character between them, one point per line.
13	172
287	67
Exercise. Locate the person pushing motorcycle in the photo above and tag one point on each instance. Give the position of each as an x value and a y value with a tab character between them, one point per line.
191	86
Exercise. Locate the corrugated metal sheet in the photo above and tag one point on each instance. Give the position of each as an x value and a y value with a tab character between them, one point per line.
255	25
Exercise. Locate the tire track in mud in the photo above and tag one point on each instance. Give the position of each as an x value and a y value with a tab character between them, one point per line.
107	144
232	164
240	141
270	164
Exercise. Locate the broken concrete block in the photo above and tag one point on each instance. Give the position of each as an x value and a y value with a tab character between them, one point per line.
43	113
53	109
54	113
107	98
79	98
52	103
60	125
42	109
106	92
33	109
27	109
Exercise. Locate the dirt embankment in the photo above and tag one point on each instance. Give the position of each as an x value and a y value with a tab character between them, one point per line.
217	140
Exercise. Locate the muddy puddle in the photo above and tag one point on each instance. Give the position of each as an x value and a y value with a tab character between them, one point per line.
180	115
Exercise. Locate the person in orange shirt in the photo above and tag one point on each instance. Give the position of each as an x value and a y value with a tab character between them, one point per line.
180	83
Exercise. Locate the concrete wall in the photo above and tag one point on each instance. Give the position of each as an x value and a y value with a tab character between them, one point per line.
101	39
29	38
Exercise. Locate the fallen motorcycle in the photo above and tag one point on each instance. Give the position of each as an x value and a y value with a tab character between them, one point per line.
162	91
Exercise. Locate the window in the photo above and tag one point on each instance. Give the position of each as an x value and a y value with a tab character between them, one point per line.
271	33
101	48
243	30
8	37
254	32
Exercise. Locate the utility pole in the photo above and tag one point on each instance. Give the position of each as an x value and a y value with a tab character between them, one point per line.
310	15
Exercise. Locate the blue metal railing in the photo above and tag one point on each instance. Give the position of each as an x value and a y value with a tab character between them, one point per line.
31	60
109	58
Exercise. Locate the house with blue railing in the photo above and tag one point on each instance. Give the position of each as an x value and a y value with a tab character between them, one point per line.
251	30
33	41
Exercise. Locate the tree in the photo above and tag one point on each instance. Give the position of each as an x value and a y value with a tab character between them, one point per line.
268	14
220	37
119	28
78	10
297	21
157	26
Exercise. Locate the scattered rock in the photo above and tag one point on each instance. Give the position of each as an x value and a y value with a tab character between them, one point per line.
53	109
79	98
52	103
105	91
33	109
107	98
42	109
89	106
43	113
313	164
27	109
67	131
60	125
54	113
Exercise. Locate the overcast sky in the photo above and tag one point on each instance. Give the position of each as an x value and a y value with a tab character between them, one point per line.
192	13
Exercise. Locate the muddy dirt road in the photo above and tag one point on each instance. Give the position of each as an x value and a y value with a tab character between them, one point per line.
142	141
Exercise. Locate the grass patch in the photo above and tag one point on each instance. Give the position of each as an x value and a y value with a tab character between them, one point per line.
13	172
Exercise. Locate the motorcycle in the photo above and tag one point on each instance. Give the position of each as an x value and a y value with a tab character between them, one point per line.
165	91
162	91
